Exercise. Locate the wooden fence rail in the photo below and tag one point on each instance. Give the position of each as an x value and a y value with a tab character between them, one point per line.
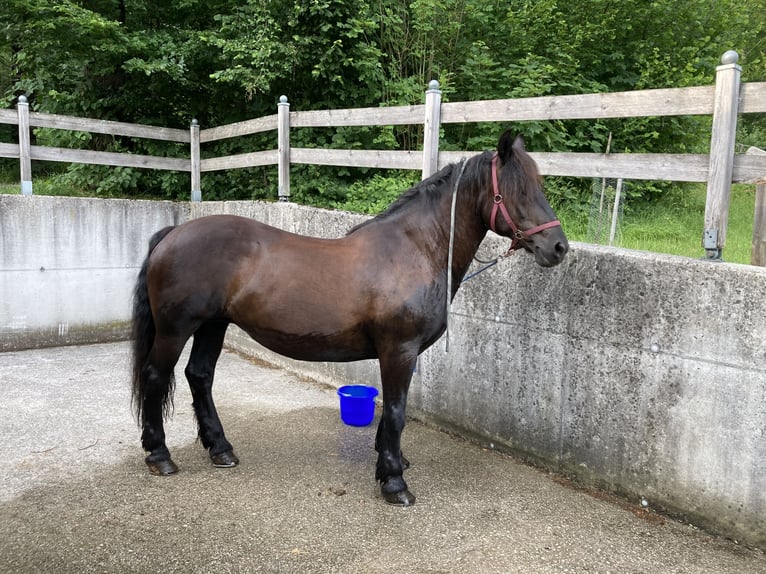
719	169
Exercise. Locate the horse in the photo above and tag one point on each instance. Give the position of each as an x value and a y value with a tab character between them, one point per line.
381	292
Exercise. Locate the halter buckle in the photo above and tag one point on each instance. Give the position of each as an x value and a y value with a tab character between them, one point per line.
498	198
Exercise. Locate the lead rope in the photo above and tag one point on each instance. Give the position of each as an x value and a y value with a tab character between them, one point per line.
487	265
449	256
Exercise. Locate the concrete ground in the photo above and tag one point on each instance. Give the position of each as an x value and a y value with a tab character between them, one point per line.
75	495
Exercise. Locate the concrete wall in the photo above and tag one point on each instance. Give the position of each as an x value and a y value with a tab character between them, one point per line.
67	266
641	373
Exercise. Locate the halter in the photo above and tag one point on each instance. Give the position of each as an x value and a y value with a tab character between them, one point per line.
518	234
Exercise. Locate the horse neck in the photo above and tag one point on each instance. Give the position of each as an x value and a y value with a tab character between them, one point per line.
469	229
427	222
434	230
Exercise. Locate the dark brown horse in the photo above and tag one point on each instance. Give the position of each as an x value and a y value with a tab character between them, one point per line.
379	292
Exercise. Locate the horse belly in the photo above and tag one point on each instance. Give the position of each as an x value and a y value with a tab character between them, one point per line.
311	343
315	327
313	346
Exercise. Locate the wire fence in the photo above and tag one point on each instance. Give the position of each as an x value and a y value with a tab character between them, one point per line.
606	211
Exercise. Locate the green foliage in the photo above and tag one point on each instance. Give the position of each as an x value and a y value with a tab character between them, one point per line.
221	61
375	194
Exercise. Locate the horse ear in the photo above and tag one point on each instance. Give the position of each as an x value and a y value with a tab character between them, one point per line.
508	144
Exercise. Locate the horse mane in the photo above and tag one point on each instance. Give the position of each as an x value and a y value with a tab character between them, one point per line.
429	190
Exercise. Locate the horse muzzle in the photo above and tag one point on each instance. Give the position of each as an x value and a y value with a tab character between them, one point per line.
548	251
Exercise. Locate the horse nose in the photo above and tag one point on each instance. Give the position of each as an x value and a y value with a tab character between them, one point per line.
561	249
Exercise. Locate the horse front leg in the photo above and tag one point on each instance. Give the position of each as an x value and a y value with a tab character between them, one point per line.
395	374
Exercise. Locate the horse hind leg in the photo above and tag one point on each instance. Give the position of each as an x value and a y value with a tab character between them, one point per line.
156	401
208	342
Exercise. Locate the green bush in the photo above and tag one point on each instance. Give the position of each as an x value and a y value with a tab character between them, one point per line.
376	193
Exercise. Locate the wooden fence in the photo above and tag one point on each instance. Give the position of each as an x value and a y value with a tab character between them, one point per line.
724	101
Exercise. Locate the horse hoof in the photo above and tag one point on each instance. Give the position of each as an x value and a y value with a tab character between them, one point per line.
225	460
401	498
162	467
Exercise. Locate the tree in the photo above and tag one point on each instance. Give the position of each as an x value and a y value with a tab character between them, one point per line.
164	63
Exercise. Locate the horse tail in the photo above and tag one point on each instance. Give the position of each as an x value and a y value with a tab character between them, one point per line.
143	330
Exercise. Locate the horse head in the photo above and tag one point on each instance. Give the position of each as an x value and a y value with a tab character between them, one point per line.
517	207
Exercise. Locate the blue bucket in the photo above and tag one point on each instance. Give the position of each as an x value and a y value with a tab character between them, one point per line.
357	404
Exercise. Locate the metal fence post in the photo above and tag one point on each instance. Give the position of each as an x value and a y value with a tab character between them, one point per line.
283	145
722	142
196	181
431	127
25	146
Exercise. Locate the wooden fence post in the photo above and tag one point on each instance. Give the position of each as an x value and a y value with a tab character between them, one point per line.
431	127
722	142
758	250
196	180
758	247
25	147
283	147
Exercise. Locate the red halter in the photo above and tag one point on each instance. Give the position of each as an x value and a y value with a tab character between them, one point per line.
518	234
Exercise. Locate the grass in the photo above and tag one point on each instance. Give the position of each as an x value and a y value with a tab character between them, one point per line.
45	186
672	224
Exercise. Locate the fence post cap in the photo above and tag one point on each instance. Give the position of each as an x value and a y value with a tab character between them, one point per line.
433	85
730	57
23	99
283	99
194	122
